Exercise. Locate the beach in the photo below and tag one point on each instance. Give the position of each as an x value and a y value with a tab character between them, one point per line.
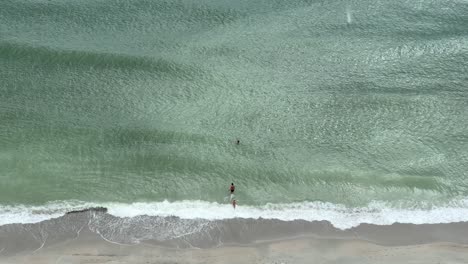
73	239
342	124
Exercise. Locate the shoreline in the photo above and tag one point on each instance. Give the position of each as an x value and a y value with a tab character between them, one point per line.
90	234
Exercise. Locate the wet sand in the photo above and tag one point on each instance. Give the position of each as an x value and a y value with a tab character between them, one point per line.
74	238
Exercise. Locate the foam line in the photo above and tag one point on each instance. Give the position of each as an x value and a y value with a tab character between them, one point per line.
339	215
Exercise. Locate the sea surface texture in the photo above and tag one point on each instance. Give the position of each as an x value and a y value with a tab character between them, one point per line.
347	111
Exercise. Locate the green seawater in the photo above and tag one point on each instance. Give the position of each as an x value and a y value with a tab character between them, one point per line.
346	102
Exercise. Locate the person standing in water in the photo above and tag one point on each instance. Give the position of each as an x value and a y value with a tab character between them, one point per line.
232	188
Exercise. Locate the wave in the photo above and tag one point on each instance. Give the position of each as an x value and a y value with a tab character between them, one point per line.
340	216
124	12
94	59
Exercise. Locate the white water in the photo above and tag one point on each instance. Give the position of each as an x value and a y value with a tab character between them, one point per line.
339	215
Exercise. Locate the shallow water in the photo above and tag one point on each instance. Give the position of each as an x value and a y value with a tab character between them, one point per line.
346	107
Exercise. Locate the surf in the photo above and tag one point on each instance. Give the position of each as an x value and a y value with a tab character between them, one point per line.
339	215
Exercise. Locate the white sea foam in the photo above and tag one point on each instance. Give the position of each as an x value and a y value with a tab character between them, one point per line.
339	215
25	214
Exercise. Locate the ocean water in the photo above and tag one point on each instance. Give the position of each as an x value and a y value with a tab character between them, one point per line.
347	111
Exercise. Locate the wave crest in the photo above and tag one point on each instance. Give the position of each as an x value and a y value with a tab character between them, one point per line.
340	216
46	55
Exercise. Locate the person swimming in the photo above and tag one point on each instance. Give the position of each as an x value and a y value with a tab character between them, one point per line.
234	203
232	188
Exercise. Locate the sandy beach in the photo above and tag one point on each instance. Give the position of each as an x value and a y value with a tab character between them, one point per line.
73	239
88	248
236	131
